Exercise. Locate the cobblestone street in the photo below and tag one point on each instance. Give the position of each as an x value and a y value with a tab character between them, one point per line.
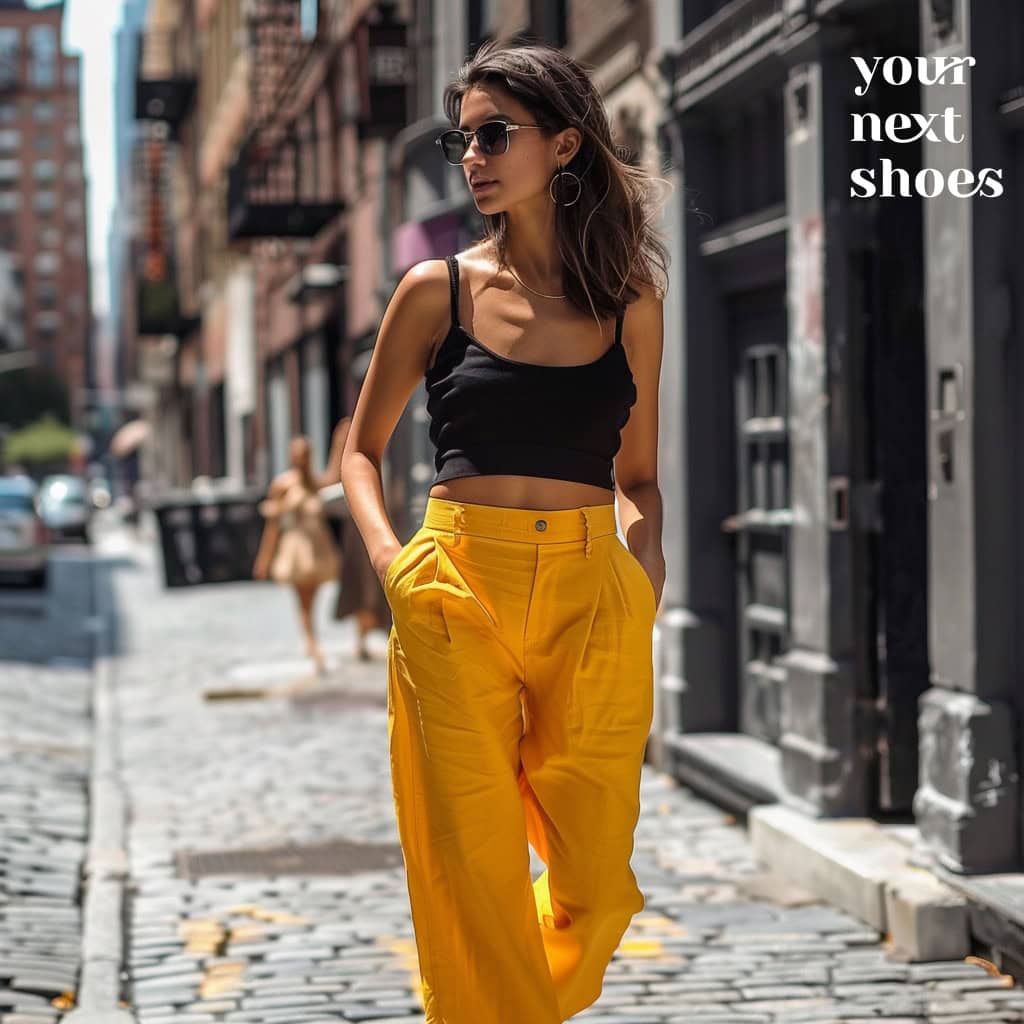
229	747
44	765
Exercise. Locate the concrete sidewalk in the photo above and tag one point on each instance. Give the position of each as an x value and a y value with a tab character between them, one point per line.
266	884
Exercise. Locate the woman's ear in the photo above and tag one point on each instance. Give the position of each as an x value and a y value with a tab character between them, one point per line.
569	142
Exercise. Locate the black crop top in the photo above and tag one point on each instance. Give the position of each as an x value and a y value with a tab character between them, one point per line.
490	414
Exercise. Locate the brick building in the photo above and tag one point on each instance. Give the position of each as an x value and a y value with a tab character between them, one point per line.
43	192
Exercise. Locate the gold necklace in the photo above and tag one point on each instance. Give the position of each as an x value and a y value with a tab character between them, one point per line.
534	290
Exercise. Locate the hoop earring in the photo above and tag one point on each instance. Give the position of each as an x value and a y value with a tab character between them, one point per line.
567	174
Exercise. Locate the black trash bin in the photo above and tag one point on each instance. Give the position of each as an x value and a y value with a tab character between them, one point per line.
208	538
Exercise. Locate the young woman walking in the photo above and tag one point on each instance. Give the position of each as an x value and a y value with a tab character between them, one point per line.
296	547
520	688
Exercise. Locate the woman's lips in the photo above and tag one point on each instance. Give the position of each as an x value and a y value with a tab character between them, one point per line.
482	186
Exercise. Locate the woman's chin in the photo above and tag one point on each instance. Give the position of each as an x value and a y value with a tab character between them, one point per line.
488	204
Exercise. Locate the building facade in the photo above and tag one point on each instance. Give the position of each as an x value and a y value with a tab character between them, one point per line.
43	223
842	439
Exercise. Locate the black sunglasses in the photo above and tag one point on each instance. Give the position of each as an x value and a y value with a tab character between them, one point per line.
491	137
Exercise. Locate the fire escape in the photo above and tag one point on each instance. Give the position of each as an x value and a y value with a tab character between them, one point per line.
285	181
165	85
165	82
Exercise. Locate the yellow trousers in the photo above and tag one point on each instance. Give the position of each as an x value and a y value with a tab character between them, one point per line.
520	697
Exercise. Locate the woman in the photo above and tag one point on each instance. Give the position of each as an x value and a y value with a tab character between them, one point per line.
520	676
359	590
297	547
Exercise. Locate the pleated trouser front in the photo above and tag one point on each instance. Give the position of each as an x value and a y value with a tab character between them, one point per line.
520	697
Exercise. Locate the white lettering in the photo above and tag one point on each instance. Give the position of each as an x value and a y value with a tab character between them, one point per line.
942	65
949	115
866	72
997	183
906	70
899	70
861	177
859	120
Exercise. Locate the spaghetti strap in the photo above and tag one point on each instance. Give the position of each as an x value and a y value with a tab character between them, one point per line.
618	326
453	277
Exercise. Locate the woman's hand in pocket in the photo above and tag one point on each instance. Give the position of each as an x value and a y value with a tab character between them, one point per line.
655	569
382	562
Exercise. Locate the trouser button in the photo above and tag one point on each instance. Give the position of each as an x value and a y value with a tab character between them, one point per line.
541	524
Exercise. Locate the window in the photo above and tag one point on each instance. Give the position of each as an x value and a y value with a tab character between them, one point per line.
72	135
9	170
71	72
44	110
47	320
75	302
45	170
8	112
73	209
42	40
9	46
45	200
50	238
72	171
43	141
47	263
10	201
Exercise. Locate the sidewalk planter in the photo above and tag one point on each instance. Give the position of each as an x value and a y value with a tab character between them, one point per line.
208	538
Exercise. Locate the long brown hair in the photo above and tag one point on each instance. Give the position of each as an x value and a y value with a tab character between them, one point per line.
606	239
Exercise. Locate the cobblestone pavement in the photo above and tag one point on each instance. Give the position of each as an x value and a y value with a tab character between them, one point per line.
306	763
45	748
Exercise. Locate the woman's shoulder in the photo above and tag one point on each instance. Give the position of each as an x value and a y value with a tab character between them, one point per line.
283	482
649	296
425	288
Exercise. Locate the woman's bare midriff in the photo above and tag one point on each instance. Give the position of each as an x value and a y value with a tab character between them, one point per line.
532	492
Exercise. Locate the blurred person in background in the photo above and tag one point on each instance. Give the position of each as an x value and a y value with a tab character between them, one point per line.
359	590
297	547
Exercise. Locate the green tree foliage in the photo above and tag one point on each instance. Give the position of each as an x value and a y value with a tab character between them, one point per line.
46	441
30	393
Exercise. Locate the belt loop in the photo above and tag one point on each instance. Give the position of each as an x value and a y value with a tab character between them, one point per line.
457	525
588	545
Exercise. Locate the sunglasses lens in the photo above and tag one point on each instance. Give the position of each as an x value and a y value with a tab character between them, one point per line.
493	138
453	145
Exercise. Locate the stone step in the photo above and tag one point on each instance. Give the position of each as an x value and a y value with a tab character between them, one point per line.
853	864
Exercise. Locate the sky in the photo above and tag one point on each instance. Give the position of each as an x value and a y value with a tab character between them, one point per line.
89	27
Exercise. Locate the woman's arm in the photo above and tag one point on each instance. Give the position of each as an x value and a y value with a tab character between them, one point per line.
271	529
332	471
636	463
415	318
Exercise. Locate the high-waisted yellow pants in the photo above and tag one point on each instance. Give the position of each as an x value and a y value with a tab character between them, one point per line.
520	698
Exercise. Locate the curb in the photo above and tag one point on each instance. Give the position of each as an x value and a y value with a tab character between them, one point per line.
106	868
854	864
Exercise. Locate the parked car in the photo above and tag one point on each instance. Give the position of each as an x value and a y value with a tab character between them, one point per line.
24	538
65	506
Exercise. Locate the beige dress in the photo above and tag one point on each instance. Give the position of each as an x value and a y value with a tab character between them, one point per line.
305	552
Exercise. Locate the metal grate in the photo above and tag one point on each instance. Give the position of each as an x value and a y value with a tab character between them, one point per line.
336	857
